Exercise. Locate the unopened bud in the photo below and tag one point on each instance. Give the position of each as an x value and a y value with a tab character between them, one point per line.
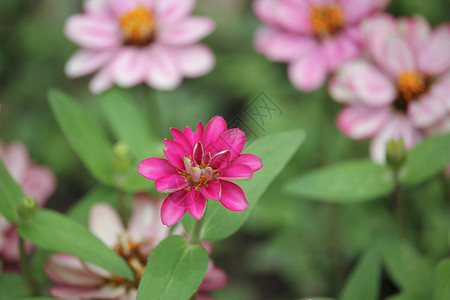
395	153
27	208
122	157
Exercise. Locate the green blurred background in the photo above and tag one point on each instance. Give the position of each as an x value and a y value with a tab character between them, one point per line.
290	248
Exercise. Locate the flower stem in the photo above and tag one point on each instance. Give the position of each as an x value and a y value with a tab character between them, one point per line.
398	197
25	267
195	237
122	207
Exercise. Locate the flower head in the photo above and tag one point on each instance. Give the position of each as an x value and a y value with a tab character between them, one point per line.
201	165
81	280
402	91
36	181
312	36
139	41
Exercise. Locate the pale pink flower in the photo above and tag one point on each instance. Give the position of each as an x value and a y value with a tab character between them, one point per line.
403	91
201	165
36	181
139	41
312	36
76	279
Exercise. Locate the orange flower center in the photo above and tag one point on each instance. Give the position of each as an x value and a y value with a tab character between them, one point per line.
138	27
326	19
410	84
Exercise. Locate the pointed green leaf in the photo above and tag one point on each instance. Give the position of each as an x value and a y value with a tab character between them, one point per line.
344	182
10	195
426	160
275	152
175	270
364	282
406	268
405	296
85	136
128	123
53	231
442	281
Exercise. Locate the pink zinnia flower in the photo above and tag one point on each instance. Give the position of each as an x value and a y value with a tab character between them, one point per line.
201	165
403	91
36	181
312	36
76	279
139	41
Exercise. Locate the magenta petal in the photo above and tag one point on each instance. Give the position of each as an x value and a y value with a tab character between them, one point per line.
175	154
213	130
221	160
250	160
181	138
198	153
196	203
171	183
212	190
233	197
174	207
233	140
236	173
154	168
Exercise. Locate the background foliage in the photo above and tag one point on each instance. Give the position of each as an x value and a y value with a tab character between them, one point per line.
290	247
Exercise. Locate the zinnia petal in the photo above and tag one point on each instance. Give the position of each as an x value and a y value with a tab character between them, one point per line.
221	160
105	223
187	32
154	168
196	203
236	173
232	140
175	154
171	183
308	73
213	190
213	130
174	207
250	160
233	197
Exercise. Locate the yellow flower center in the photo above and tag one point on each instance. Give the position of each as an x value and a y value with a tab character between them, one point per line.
410	84
138	27
326	19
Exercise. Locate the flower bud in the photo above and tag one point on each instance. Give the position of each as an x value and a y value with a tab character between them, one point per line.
395	153
122	158
27	208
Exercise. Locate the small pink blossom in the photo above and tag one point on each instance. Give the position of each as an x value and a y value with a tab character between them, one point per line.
36	181
312	36
129	42
201	165
403	91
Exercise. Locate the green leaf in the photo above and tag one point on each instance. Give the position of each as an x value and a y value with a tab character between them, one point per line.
275	152
442	281
53	231
12	286
344	182
426	160
175	270
128	123
364	281
406	296
10	195
85	136
406	268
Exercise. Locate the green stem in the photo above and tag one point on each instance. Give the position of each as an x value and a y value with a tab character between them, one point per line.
398	197
195	237
122	207
25	267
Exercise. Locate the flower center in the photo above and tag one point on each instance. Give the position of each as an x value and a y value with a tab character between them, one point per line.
129	250
409	85
138	27
326	19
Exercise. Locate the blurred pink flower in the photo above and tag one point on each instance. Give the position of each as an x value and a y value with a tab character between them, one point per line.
403	91
139	41
312	36
80	280
76	279
201	165
36	181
